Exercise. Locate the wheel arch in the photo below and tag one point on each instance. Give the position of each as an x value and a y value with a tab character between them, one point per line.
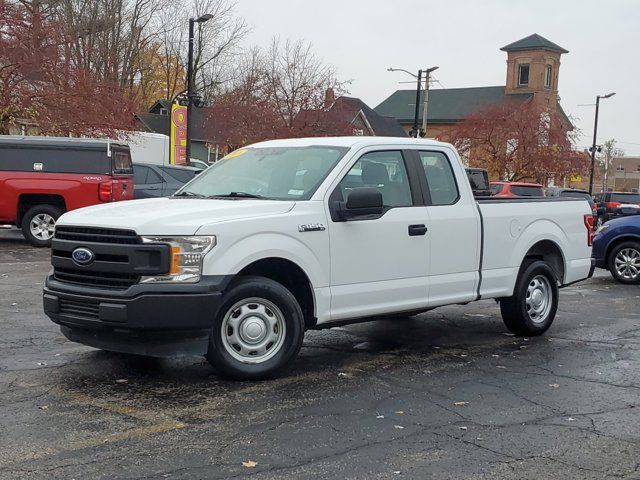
291	276
29	200
549	252
613	243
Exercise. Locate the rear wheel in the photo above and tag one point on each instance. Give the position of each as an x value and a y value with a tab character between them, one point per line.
258	330
38	224
624	262
532	308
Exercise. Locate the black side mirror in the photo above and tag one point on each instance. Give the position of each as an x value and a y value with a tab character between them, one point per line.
360	202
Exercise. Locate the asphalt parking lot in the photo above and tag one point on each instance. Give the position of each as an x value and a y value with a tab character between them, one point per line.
447	394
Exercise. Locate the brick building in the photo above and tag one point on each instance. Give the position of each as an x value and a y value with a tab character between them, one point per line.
623	175
533	66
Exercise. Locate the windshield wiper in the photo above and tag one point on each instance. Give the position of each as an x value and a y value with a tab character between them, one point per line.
188	194
238	195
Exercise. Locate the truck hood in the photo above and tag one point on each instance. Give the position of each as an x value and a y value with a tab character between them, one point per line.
171	216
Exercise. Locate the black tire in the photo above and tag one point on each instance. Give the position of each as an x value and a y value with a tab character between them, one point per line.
45	210
517	311
633	248
267	295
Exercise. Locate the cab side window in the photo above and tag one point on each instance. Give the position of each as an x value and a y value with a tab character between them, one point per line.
440	178
140	174
382	170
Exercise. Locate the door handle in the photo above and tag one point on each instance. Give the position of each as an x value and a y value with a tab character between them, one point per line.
416	230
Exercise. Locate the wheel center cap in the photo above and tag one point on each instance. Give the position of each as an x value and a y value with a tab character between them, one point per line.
536	298
253	329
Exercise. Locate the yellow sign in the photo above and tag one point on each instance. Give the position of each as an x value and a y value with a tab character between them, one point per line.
178	137
235	153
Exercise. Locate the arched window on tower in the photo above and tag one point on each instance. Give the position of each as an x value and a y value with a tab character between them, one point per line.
548	72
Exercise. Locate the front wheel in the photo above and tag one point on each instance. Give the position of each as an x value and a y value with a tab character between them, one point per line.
624	262
258	330
532	308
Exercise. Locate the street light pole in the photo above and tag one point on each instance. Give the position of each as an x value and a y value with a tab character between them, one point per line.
417	110
190	90
595	133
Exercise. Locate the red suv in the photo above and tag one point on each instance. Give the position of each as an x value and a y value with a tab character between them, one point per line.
516	189
43	177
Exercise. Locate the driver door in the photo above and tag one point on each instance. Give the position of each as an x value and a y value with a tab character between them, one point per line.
380	264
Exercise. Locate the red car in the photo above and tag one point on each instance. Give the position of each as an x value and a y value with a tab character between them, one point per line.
516	189
43	177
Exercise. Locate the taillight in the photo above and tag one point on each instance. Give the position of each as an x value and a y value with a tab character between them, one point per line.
588	222
613	204
105	191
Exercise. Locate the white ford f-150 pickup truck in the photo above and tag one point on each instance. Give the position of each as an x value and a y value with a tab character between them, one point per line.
289	235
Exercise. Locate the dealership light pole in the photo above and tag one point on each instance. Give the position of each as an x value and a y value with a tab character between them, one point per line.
594	146
415	131
190	90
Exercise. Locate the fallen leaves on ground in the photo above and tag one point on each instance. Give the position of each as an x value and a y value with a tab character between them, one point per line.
554	385
249	464
460	404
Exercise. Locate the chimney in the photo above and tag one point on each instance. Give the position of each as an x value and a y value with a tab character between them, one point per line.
329	98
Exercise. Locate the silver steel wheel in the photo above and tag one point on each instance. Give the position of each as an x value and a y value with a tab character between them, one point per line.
253	330
42	226
539	298
627	263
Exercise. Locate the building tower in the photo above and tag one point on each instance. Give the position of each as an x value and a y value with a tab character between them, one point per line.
533	64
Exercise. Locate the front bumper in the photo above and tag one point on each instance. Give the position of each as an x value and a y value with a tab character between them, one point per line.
157	320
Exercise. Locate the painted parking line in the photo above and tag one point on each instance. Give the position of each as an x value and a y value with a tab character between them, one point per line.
156	423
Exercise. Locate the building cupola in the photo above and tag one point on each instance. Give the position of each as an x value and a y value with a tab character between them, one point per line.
533	64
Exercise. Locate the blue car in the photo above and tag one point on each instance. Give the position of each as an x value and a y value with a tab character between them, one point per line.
616	247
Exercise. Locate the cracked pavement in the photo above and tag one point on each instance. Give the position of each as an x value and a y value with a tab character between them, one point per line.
376	400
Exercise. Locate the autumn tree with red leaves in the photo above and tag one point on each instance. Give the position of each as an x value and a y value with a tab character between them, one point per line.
518	141
40	83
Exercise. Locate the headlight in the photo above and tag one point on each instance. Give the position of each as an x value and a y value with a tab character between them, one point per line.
601	229
187	254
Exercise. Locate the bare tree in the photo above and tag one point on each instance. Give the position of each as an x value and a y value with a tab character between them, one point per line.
296	78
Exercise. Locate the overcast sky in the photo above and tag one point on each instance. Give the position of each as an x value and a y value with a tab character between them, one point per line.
362	38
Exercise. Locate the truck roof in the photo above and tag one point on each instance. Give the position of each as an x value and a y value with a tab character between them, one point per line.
59	142
349	142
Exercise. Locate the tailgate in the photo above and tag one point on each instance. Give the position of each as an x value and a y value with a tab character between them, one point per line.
122	188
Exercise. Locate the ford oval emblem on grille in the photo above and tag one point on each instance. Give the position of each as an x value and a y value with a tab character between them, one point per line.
82	256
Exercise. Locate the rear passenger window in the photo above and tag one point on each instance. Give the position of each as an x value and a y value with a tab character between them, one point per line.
525	191
140	174
384	171
442	183
180	174
153	177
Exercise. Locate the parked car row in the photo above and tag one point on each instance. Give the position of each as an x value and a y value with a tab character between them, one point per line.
43	177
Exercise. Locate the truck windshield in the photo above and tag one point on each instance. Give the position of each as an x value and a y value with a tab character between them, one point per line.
278	173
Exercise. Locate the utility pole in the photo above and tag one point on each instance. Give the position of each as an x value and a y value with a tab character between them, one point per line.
595	133
415	131
426	99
